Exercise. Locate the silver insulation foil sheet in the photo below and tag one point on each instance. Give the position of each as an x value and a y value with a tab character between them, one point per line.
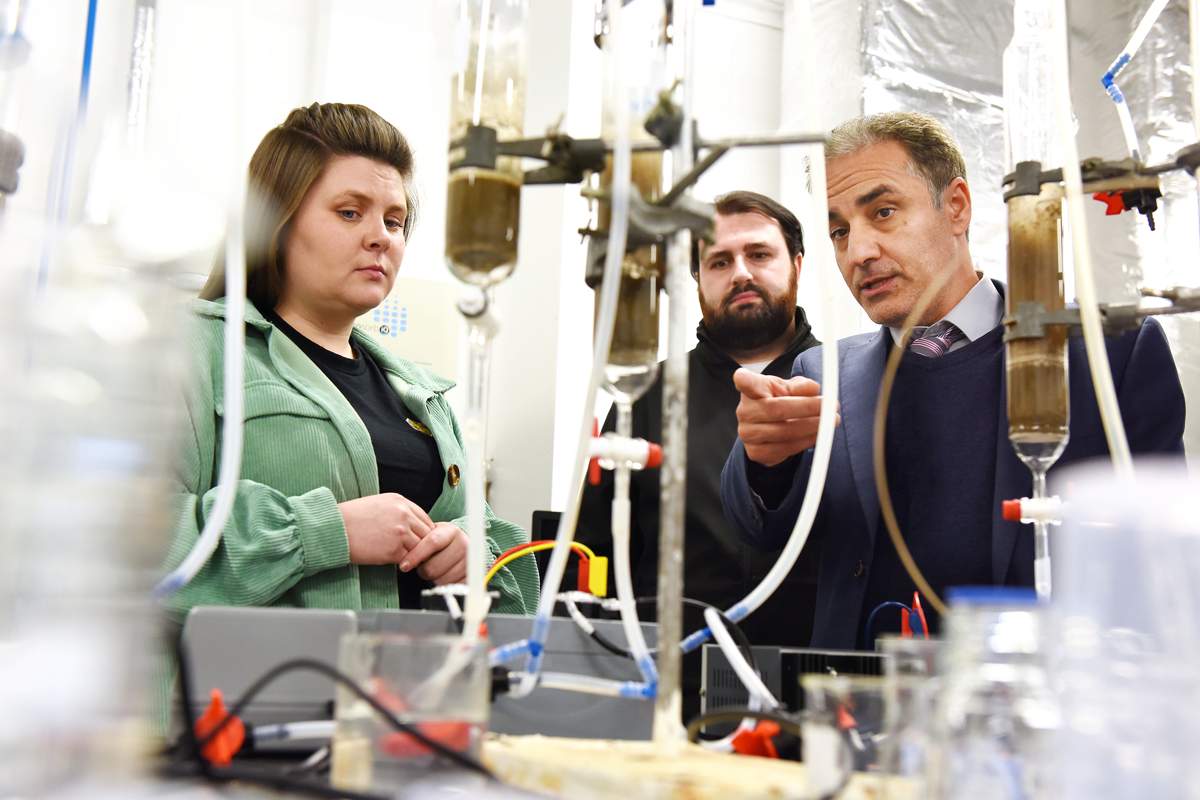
1157	85
943	57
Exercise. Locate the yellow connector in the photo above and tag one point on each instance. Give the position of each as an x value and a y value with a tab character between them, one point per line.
598	576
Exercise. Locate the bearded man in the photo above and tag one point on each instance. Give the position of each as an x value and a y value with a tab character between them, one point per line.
746	280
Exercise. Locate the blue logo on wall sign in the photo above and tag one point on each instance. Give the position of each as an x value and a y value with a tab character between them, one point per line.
391	318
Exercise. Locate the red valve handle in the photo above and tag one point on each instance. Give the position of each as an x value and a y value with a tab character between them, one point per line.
594	463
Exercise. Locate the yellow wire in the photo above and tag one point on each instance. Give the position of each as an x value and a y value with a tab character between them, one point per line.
530	548
580	545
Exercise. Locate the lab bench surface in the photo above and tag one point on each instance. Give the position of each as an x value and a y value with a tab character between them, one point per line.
594	769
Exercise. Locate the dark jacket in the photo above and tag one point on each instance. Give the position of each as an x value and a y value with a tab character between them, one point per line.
848	521
719	567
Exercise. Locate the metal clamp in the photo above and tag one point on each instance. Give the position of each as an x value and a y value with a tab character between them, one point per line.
1030	321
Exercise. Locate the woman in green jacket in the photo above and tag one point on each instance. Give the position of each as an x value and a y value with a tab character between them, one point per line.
350	493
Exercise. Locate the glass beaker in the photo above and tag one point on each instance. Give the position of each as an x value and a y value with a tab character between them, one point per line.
845	721
911	656
438	684
996	714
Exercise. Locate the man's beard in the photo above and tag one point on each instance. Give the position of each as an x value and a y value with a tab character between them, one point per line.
752	327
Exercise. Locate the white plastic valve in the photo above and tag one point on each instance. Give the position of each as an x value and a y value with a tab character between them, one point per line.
610	449
1048	510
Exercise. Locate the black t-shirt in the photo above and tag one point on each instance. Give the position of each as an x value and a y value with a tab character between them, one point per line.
405	452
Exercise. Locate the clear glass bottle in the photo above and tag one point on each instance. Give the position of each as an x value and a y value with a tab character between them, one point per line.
997	714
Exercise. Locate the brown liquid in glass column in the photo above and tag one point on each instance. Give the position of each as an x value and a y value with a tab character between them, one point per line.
1037	368
633	357
483	212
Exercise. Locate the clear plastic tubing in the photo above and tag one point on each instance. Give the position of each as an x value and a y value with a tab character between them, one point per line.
1122	60
604	329
830	282
60	197
295	731
624	575
1085	286
586	684
746	674
232	425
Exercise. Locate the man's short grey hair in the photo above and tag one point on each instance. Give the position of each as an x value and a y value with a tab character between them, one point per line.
932	153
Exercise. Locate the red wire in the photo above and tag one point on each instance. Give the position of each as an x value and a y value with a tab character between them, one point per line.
921	614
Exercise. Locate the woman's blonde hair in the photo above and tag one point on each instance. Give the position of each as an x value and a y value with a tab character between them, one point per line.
285	165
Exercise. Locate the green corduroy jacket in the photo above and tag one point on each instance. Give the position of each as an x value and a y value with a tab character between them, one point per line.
306	450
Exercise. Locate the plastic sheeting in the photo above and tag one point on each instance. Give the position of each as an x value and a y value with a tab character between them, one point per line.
942	57
1159	94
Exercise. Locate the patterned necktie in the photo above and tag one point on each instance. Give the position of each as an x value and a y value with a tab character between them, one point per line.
936	340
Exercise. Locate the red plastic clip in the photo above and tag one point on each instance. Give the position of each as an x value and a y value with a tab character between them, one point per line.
1114	203
222	748
594	463
757	742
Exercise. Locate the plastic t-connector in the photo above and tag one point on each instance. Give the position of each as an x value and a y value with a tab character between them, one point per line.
1034	509
613	449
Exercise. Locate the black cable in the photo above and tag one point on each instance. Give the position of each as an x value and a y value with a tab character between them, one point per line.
206	770
337	676
736	632
599	639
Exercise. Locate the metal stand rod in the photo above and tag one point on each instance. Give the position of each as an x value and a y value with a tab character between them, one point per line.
770	140
668	727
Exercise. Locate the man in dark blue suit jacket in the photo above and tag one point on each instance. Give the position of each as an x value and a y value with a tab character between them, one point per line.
899	210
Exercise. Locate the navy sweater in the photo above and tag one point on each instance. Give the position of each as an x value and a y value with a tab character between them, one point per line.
942	414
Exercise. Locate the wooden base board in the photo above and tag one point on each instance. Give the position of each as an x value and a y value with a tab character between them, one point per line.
599	769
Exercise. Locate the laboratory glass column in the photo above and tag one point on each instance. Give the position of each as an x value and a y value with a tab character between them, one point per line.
1038	402
483	208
